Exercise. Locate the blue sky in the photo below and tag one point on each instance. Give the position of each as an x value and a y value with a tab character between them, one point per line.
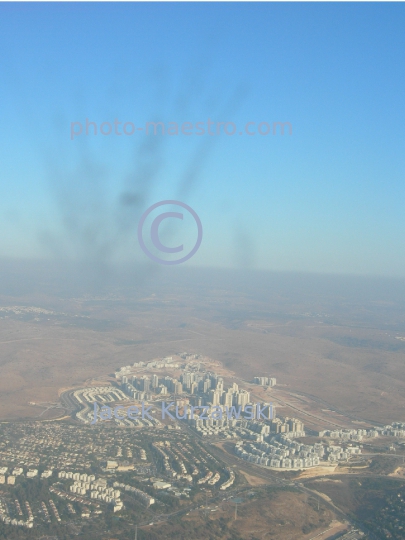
328	198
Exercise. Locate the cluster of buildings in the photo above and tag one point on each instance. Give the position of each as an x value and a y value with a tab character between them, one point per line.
45	512
87	414
141	495
64	445
167	454
336	453
210	478
198	388
230	481
166	362
291	427
47	445
54	510
162	363
208	389
214	480
265	381
19	471
100	394
350	434
77	476
204	388
5	515
72	497
228	428
211	427
396	429
205	478
88	485
189	356
250	429
140	387
84	398
281	452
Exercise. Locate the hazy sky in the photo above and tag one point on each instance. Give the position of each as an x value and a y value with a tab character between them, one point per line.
327	198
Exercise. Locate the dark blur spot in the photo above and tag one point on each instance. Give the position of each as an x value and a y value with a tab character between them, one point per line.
130	199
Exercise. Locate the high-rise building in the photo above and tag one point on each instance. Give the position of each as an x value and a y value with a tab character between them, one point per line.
294	424
275	425
242	398
226	399
265	381
214	380
187	379
214	397
155	381
145	384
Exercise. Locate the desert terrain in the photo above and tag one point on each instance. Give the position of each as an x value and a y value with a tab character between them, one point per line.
334	343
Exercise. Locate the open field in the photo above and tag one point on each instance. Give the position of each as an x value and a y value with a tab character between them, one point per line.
263	516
